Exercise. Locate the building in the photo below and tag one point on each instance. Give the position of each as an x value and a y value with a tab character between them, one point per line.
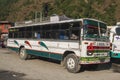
4	26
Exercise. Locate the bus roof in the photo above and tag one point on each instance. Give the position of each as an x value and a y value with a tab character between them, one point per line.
56	22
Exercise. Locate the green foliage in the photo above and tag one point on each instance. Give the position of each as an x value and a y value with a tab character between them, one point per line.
70	8
110	14
99	1
27	2
5	8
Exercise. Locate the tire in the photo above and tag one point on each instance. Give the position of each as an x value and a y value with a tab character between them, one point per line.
72	63
23	55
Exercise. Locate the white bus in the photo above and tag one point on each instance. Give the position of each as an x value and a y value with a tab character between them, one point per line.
115	42
75	42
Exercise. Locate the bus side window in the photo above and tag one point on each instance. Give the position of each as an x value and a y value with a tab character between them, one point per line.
73	36
63	35
38	35
64	31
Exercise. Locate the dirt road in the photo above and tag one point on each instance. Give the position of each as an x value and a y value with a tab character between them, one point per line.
12	68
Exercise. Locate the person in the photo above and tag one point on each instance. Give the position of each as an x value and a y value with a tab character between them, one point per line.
38	35
73	36
61	35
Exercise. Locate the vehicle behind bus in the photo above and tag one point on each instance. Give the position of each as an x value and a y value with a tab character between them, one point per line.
115	42
75	42
3	40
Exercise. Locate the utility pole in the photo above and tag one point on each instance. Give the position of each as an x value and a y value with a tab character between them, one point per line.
35	11
41	16
35	16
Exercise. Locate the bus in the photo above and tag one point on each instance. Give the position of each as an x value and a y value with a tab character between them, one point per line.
74	42
115	42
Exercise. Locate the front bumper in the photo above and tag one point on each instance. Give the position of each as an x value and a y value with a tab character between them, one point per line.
94	60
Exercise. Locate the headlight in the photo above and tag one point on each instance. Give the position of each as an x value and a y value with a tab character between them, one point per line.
89	53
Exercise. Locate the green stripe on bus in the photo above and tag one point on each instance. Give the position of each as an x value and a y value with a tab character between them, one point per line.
56	56
93	58
45	54
14	49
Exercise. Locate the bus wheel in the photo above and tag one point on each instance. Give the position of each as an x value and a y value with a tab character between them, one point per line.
72	63
22	54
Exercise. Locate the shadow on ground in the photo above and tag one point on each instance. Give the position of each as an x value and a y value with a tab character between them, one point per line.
96	67
10	75
115	65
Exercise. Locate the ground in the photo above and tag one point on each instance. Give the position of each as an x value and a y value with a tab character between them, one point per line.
12	68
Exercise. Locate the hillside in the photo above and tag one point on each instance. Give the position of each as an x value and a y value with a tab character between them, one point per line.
20	10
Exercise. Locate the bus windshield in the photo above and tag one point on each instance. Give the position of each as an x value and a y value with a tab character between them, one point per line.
118	31
95	30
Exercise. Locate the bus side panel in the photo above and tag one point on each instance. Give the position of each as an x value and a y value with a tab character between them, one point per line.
48	49
11	45
45	54
13	49
37	53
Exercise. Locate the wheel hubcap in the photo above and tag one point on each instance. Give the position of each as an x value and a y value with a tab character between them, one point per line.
71	63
